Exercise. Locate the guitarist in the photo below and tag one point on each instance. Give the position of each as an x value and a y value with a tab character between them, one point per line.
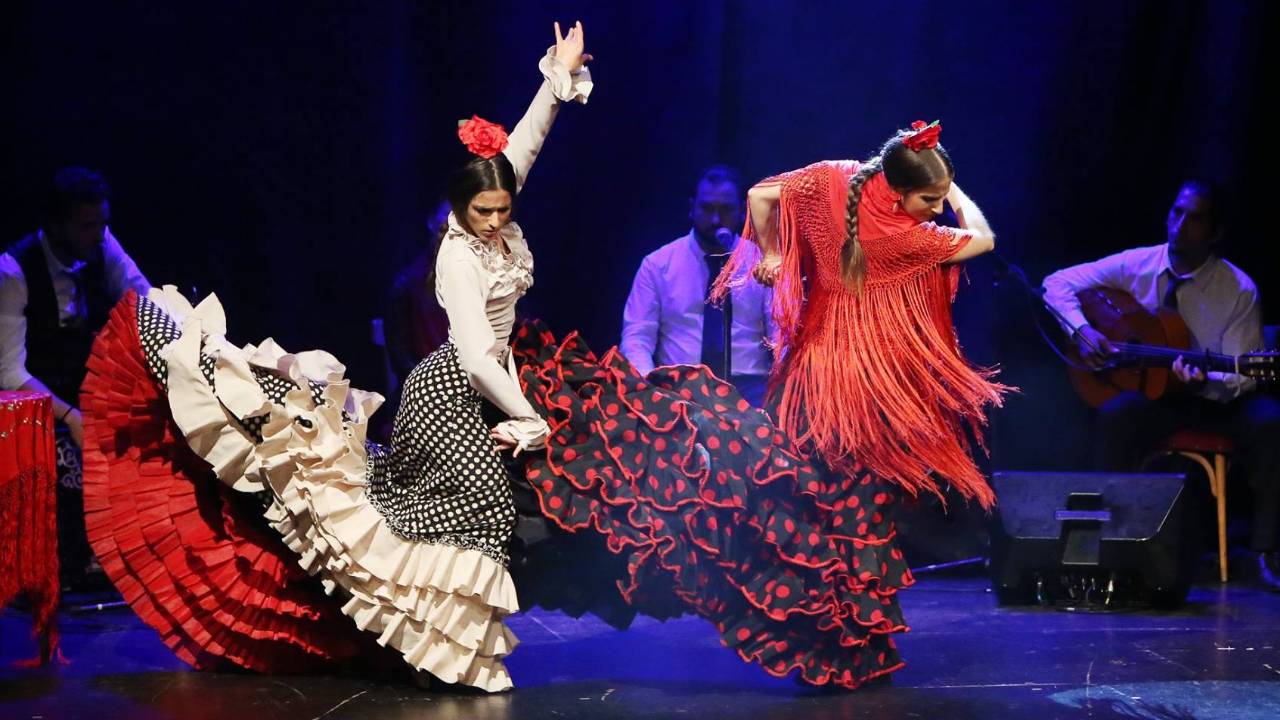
1220	306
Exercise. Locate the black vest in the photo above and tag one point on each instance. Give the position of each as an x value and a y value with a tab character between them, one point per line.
56	355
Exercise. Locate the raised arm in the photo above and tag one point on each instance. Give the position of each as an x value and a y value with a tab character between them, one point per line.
981	238
762	205
565	78
762	200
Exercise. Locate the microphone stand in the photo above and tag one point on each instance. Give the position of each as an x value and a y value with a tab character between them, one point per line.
726	239
1006	269
728	337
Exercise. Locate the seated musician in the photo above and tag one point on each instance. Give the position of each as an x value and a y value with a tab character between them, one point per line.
1220	306
57	286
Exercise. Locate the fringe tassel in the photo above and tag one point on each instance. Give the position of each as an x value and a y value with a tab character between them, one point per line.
873	379
880	382
789	286
29	539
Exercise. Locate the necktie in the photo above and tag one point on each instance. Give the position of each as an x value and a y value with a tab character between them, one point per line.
1171	291
714	320
78	302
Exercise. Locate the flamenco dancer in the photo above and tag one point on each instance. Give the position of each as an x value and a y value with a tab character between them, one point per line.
411	539
872	375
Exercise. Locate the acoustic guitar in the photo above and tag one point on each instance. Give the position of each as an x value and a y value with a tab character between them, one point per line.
1146	345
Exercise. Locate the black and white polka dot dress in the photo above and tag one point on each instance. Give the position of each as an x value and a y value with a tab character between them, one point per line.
443	481
440	481
411	538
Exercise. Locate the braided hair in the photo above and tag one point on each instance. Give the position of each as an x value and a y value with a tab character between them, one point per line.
905	170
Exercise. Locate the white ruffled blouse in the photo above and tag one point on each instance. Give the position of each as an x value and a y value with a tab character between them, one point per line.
478	284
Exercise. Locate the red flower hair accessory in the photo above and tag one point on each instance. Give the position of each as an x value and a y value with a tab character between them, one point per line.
922	136
482	137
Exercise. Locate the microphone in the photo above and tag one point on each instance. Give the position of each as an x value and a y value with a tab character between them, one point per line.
725	238
1006	269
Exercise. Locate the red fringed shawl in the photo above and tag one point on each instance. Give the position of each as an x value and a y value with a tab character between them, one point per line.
28	514
872	378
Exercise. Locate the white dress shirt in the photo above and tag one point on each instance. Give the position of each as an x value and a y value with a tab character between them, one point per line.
662	322
121	274
1218	302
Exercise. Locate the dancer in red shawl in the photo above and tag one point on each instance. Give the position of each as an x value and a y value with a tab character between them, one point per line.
783	535
871	373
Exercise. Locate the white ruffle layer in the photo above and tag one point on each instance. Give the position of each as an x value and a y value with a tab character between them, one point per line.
441	606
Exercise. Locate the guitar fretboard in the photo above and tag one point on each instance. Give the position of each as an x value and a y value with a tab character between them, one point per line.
1154	354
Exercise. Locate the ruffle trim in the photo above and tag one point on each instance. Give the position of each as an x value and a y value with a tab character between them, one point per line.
707	499
219	590
440	606
568	86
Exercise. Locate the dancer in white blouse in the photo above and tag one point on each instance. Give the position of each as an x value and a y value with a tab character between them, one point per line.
412	537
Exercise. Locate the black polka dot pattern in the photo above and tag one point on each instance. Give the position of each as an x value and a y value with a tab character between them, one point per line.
156	330
439	482
445	482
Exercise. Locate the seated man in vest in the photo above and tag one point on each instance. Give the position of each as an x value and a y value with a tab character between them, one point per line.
56	287
1220	306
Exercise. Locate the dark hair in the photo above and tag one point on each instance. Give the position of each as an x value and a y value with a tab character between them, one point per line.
717	174
70	188
476	176
904	169
1212	194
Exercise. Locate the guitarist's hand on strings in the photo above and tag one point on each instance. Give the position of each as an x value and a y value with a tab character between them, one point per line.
1095	348
1193	376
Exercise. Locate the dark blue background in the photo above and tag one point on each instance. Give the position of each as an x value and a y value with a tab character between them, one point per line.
285	155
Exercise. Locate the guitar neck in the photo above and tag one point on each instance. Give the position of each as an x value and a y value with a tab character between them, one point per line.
1153	354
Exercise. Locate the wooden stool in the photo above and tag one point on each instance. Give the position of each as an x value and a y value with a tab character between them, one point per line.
1211	451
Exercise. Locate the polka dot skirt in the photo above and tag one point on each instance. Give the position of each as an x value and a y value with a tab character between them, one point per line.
444	481
709	501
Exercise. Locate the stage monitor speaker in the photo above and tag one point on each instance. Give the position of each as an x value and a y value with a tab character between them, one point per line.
1091	540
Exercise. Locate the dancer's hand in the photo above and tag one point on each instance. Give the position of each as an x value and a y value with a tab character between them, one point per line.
766	271
502	441
569	48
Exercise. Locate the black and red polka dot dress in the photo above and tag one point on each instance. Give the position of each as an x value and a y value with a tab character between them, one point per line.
707	500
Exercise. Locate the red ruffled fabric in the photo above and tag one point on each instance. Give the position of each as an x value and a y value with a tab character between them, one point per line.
709	501
192	558
796	567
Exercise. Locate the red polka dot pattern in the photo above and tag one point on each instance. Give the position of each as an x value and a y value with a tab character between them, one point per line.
708	500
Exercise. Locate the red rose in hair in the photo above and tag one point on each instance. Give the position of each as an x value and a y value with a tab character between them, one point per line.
482	137
923	136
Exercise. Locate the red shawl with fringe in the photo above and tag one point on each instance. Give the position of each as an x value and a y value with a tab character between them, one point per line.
872	378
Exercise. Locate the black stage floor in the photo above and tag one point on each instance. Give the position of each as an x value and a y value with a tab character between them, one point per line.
1216	657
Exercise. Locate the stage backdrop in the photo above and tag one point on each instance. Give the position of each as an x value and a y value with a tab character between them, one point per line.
285	155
